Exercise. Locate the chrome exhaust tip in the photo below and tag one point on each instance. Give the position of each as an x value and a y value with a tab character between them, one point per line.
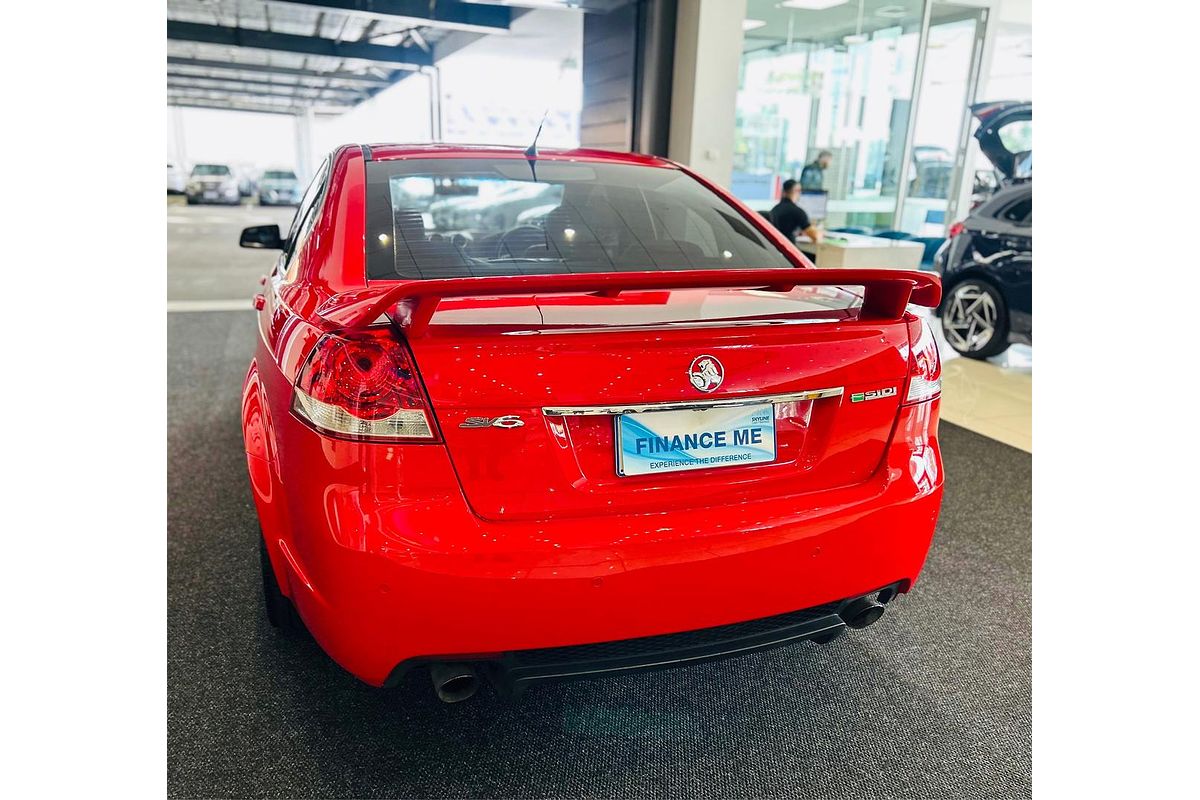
453	682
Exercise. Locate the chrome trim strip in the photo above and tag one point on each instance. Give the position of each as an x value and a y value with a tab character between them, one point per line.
694	405
681	325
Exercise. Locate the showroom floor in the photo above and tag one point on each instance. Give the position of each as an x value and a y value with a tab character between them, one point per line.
933	701
993	397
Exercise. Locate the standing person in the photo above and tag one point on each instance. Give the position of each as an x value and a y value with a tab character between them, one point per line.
812	177
790	218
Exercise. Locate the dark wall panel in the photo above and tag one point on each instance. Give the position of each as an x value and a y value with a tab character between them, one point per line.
627	63
608	66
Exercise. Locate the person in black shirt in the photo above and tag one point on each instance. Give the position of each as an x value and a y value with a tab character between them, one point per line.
790	218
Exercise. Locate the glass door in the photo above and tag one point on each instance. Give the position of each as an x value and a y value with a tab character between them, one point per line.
942	124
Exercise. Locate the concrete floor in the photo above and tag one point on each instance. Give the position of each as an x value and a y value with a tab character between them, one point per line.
205	266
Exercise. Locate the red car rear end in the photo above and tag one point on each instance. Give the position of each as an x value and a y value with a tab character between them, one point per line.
612	421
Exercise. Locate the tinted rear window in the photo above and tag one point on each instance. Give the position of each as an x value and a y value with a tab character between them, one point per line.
277	175
1020	212
450	218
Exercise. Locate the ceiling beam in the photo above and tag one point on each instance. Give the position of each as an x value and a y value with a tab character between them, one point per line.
199	63
176	79
290	43
217	105
219	94
308	96
448	14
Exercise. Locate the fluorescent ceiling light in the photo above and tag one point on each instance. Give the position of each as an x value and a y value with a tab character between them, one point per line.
813	5
855	38
751	24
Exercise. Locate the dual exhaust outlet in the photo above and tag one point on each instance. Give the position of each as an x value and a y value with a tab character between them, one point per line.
455	681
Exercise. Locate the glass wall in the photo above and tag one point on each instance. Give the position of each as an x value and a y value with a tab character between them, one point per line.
825	77
829	84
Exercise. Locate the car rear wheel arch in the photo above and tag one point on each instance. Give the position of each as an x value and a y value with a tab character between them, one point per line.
262	464
256	423
281	612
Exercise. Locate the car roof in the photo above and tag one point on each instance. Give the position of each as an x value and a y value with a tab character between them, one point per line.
391	152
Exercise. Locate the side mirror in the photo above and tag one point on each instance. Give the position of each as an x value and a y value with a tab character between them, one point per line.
262	237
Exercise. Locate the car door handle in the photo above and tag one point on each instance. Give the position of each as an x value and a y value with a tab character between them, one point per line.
260	300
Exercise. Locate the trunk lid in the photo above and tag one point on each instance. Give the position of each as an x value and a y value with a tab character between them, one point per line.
527	390
1005	136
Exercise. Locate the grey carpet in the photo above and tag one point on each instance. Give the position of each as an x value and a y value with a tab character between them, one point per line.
933	701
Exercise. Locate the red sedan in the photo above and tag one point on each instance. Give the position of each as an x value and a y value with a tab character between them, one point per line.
531	416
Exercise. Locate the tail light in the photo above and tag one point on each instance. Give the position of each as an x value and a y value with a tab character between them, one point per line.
364	385
924	364
955	229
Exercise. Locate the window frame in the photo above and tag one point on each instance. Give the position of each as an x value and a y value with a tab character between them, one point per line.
308	201
303	220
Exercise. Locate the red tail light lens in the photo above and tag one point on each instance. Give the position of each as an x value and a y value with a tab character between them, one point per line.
955	229
363	385
924	364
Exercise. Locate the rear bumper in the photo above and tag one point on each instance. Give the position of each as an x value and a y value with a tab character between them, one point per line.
515	671
388	571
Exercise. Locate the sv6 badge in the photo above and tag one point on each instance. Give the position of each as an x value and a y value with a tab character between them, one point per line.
509	421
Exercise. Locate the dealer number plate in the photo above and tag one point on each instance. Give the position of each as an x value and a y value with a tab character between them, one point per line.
654	442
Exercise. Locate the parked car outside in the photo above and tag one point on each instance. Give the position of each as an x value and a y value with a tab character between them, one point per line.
212	183
247	180
595	442
177	179
494	208
986	263
278	187
932	169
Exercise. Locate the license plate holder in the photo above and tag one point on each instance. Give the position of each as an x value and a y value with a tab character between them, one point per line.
682	440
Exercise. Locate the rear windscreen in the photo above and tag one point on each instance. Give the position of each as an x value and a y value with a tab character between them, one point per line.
474	217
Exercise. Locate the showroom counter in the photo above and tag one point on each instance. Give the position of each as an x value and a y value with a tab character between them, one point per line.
853	250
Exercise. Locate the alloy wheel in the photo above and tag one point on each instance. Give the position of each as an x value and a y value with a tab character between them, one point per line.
970	318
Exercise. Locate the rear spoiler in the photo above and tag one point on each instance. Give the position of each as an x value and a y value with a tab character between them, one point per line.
886	292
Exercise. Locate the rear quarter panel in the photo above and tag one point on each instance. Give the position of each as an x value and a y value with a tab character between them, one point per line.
287	334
